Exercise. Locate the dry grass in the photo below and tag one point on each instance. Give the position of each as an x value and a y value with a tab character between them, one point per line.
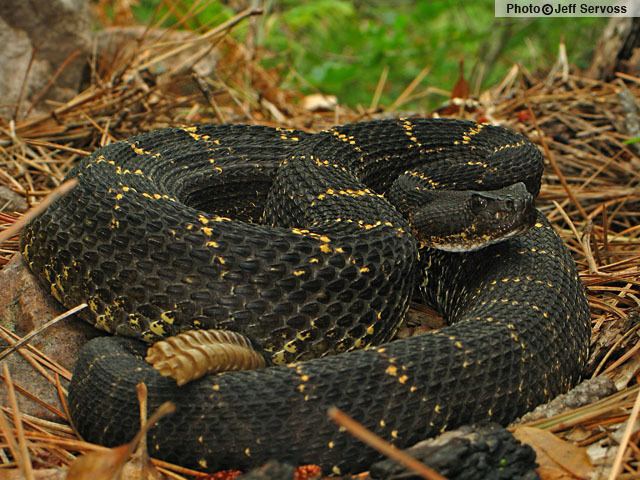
590	193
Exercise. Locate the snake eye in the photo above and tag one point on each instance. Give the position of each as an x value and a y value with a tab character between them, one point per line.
478	203
510	205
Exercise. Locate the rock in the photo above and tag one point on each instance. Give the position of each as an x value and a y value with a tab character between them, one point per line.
10	201
52	31
25	305
485	451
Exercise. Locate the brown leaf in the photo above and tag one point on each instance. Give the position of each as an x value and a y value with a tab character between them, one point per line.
39	474
461	88
100	465
113	463
140	468
558	460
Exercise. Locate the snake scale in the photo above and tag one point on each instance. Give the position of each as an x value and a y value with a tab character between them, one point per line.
314	261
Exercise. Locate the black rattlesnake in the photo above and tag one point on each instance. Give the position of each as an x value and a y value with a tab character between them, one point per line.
146	241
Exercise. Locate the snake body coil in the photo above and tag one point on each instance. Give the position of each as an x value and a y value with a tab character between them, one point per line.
145	240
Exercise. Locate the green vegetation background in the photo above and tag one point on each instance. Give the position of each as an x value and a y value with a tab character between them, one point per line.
341	47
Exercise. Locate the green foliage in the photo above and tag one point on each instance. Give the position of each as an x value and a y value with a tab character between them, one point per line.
341	47
203	13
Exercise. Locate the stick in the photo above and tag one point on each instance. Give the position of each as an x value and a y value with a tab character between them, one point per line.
362	433
14	229
628	431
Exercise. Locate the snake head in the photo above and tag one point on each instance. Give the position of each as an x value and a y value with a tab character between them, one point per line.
466	220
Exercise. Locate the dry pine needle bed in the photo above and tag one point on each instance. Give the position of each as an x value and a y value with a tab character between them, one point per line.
590	193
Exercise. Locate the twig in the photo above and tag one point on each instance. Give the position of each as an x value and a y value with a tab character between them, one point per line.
27	394
628	431
220	29
30	352
618	342
42	328
63	66
24	459
362	433
34	361
410	88
19	224
379	89
554	165
23	86
163	410
62	397
584	245
7	434
627	355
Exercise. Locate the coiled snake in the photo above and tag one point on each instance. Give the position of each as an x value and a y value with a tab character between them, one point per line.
146	241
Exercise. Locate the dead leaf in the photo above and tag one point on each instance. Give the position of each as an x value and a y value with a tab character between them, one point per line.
39	474
140	468
558	460
114	463
460	100
461	88
318	102
100	465
126	462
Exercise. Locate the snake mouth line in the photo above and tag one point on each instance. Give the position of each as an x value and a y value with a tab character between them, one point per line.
474	244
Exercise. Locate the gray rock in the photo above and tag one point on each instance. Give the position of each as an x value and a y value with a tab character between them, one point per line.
10	201
24	306
51	31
